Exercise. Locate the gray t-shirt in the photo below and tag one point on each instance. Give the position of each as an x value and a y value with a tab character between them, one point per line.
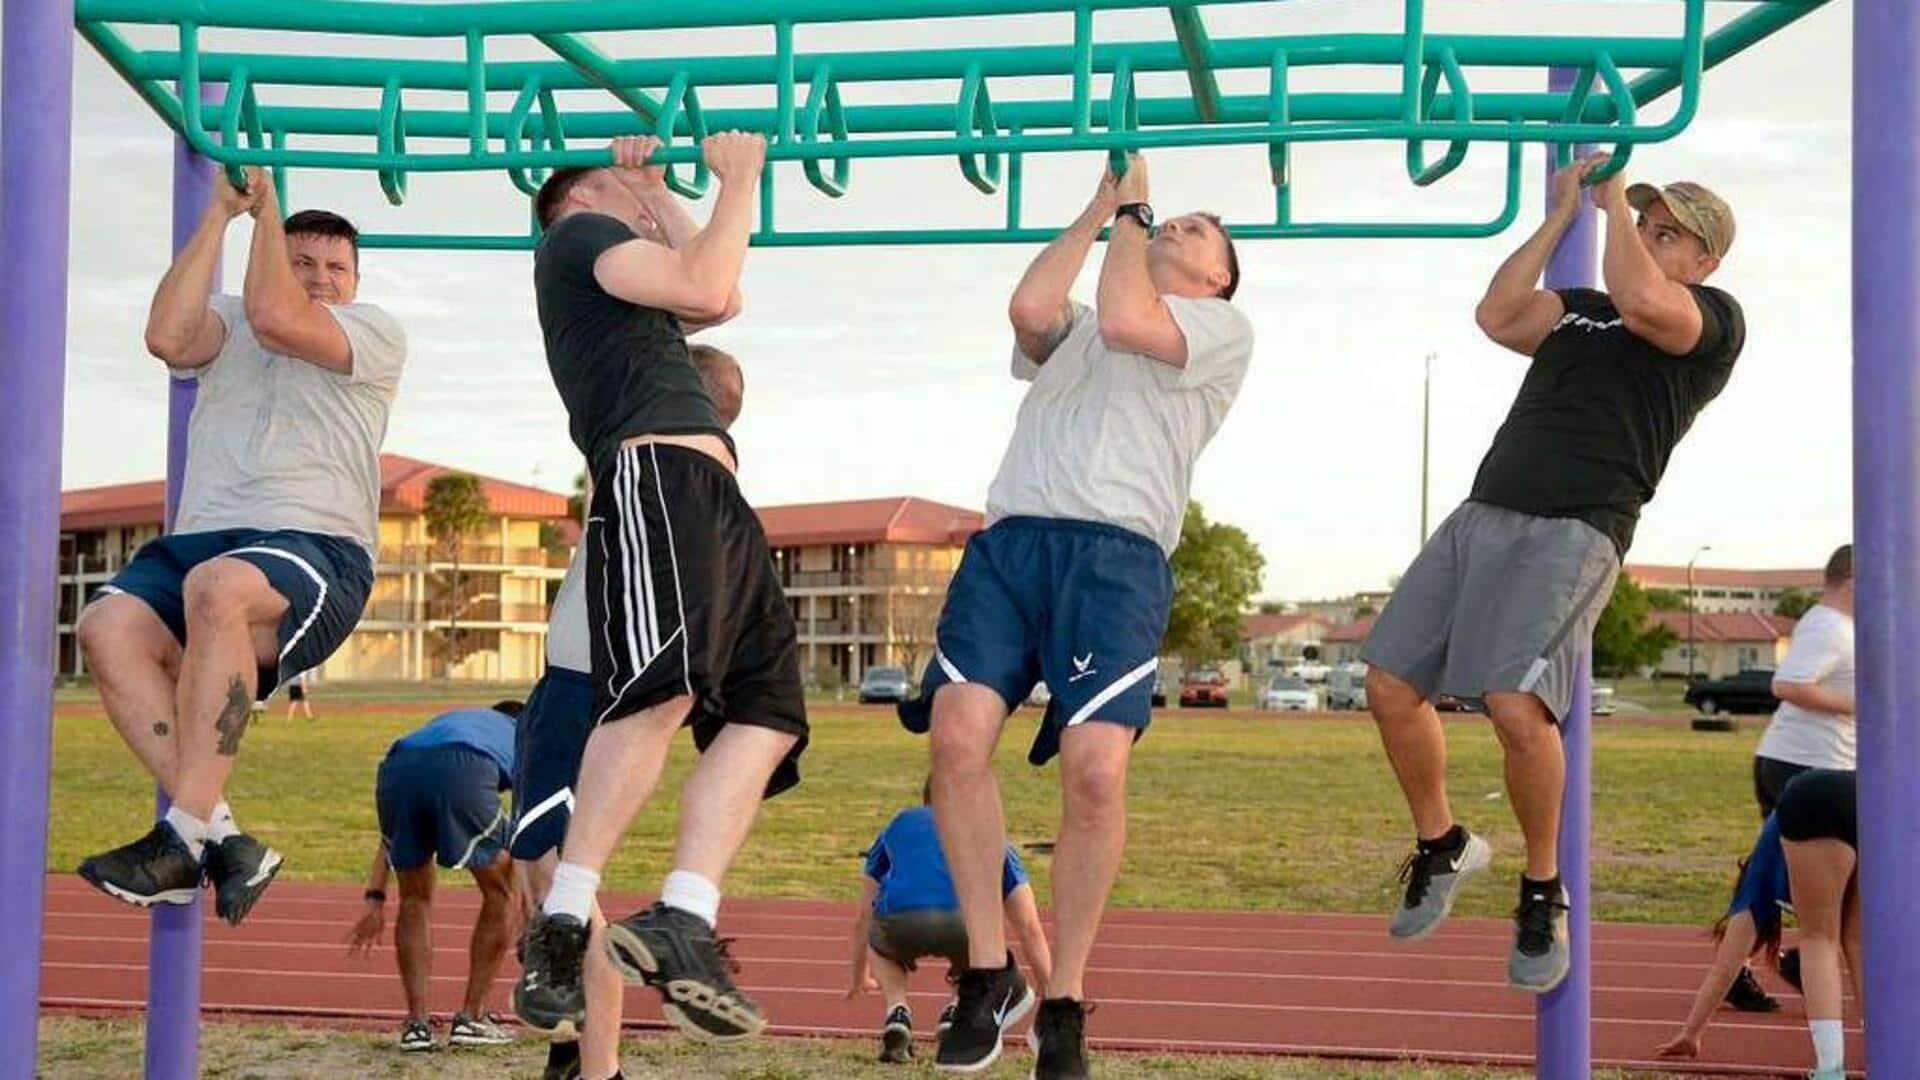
280	443
1111	436
567	643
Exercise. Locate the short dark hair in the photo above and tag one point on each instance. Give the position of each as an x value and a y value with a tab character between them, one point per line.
325	223
714	365
1840	565
1233	257
546	204
511	708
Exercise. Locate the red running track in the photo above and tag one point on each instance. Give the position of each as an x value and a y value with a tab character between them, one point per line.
1329	985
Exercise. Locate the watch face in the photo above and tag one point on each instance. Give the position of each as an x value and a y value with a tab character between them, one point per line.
1139	212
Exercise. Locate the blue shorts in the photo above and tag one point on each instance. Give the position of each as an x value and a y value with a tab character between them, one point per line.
440	801
547	744
324	578
1080	605
1764	887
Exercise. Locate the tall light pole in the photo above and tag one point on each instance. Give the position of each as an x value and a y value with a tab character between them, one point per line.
1704	548
1426	429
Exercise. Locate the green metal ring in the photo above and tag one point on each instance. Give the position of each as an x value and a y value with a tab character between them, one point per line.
975	115
552	132
682	96
823	98
1449	66
1623	110
1123	112
240	107
392	140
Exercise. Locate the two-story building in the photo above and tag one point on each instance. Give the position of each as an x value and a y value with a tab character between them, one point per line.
1720	589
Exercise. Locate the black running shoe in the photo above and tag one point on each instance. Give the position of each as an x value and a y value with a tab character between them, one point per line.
1747	995
896	1036
240	868
991	1001
1059	1040
416	1037
675	952
549	995
155	869
946	1018
563	1061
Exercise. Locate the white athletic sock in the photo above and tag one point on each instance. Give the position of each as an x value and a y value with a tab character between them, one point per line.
1829	1044
191	829
221	825
693	893
572	891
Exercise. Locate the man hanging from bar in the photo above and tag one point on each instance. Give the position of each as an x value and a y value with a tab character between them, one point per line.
271	558
690	626
1070	583
1499	605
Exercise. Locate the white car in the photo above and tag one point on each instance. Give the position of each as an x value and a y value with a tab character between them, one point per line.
1288	694
1309	671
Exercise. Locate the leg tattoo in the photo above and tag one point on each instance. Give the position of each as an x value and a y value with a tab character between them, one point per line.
233	718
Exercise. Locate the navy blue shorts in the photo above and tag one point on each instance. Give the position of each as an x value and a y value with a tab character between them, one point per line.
1079	605
325	580
547	744
440	801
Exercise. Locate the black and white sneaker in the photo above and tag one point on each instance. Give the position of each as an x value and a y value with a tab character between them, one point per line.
946	1017
240	868
896	1036
991	1001
158	868
549	996
1433	875
482	1030
675	952
416	1037
1059	1041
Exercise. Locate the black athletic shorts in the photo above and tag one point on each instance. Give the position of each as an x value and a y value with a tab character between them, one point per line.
1771	777
906	937
1819	804
683	599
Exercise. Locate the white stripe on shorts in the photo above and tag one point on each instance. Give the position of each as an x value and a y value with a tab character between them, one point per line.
542	808
318	603
1114	690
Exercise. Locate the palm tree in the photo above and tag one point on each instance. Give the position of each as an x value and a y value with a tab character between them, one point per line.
456	508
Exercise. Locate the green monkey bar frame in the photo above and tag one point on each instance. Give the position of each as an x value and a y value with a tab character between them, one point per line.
1431	100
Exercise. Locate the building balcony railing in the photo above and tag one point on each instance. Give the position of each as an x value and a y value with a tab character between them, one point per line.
478	611
865	579
476	556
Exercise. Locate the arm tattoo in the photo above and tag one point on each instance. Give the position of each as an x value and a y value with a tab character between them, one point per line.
232	722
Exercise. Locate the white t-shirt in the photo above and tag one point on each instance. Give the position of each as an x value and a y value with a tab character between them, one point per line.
1111	437
1821	653
277	442
567	643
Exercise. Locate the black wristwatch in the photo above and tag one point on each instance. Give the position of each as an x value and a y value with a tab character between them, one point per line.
1138	211
377	896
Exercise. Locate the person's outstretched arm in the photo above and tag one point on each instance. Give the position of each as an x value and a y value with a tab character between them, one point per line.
282	315
695	280
1516	312
674	227
182	329
1039	310
1024	916
1736	944
365	933
857	972
1651	304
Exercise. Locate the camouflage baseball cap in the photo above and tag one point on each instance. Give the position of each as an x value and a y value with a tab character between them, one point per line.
1698	211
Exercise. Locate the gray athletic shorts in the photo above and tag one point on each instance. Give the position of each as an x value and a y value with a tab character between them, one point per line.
1497	601
906	937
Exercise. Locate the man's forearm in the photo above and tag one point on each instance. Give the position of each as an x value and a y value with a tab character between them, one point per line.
1513	285
377	872
180	300
714	255
1814	697
271	289
1044	288
676	224
1126	288
1625	264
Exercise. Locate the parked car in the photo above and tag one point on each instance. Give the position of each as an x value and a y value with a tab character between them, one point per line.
1347	687
1602	700
1159	700
1203	687
1749	692
885	684
1284	693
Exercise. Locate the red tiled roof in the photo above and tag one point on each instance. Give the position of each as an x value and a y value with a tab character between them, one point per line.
1253	627
898	520
403	490
1675	577
1357	630
1727	625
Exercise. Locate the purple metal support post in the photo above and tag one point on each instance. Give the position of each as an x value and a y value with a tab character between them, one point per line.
173	951
36	130
1563	1020
1886	472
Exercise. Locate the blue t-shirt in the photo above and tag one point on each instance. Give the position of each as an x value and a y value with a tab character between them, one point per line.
489	732
1764	885
907	862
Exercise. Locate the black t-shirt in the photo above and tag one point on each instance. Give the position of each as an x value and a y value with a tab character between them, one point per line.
621	369
1600	412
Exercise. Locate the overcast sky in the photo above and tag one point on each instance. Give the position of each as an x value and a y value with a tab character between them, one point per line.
874	372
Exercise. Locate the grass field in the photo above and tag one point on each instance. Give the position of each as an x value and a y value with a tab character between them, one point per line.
1226	811
88	1047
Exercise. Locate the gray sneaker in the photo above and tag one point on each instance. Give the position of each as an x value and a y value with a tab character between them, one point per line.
1433	880
1539	959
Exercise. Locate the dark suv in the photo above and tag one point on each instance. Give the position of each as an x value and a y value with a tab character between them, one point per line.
1749	692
